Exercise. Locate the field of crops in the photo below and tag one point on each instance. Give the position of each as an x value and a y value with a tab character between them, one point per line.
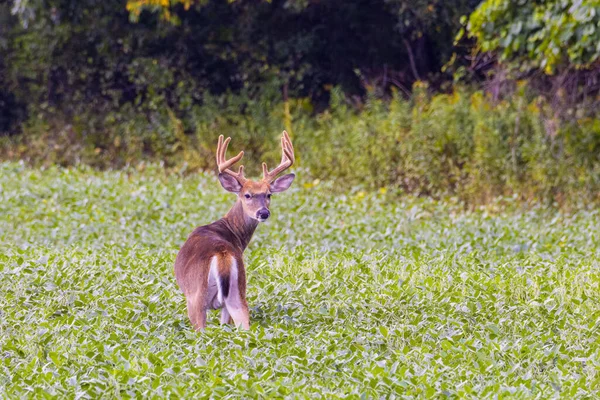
362	295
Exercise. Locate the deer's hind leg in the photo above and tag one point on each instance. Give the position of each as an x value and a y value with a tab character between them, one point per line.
225	317
239	312
235	302
197	310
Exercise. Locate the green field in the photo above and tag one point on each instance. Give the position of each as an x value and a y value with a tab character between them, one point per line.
361	295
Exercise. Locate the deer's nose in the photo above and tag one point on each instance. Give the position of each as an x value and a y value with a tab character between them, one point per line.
263	214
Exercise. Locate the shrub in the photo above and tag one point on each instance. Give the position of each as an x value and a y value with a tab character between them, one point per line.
463	143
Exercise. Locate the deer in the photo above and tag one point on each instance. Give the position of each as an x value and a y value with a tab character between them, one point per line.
209	268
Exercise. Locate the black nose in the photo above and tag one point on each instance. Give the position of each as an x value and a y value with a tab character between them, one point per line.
263	214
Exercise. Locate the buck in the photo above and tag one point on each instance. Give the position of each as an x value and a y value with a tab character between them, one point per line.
209	268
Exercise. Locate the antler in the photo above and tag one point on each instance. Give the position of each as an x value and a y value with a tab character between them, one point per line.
224	164
287	159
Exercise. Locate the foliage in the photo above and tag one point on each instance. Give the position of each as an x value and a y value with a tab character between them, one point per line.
548	35
163	7
83	83
87	62
416	297
463	143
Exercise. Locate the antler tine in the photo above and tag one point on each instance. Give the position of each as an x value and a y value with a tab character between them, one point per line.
290	147
223	164
287	159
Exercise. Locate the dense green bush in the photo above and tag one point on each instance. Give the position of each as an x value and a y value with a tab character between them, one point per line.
552	44
463	143
548	35
459	143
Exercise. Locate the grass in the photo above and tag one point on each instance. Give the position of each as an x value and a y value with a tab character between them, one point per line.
361	295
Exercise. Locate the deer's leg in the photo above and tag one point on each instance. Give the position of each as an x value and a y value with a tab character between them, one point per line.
197	311
239	312
235	302
225	317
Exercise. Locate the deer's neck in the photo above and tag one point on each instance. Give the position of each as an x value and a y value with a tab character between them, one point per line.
240	224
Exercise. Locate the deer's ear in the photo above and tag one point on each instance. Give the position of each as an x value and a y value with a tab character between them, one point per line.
282	183
229	183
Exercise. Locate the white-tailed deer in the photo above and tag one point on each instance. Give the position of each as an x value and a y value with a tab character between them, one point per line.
209	268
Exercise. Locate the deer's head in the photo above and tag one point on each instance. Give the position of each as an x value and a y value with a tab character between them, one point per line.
255	196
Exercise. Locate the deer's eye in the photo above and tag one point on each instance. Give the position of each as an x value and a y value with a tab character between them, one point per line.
247	195
269	195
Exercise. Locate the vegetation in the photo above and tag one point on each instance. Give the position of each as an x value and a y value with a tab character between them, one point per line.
455	144
116	83
553	45
418	298
460	144
86	63
547	35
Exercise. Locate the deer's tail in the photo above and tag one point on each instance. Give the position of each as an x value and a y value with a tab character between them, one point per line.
224	278
223	266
